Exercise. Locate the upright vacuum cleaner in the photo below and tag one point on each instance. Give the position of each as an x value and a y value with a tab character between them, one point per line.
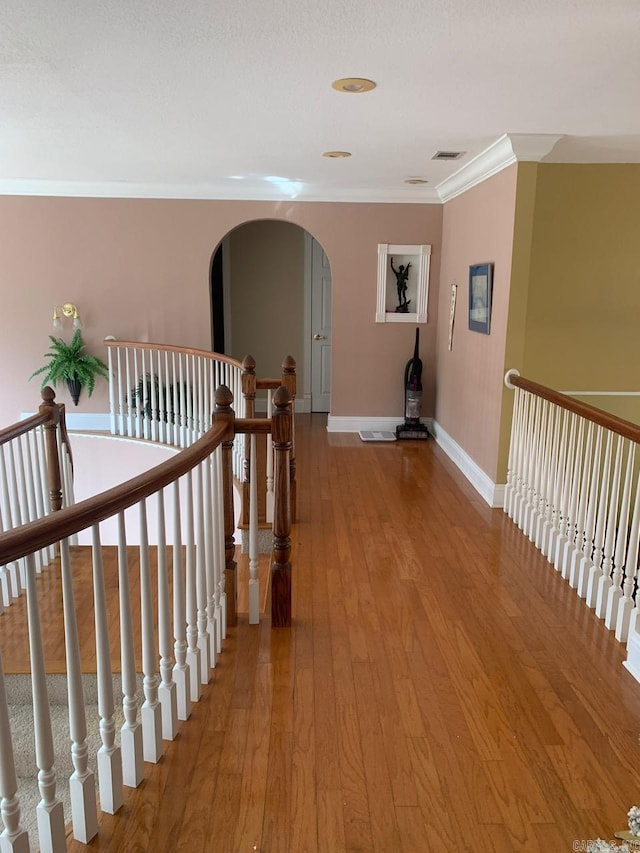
412	428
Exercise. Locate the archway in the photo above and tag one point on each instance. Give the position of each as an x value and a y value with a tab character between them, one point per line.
271	296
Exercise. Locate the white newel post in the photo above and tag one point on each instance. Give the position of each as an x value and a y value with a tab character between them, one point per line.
180	669
167	689
81	782
49	811
109	755
14	838
151	713
131	732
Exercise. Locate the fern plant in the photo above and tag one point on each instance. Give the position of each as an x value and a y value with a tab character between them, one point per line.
69	362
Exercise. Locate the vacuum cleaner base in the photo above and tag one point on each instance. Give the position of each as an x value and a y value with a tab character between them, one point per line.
418	431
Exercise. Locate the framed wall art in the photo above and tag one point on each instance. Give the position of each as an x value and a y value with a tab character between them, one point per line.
403	283
480	293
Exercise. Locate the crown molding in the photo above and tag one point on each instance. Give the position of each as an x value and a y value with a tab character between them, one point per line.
238	191
508	149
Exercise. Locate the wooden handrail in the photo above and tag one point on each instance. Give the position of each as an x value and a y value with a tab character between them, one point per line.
22	427
29	538
215	356
598	416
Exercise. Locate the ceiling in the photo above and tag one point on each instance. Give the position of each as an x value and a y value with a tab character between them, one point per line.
166	98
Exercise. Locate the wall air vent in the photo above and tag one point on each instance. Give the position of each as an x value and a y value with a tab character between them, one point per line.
447	155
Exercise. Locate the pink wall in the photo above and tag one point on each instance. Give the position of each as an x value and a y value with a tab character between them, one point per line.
139	269
477	227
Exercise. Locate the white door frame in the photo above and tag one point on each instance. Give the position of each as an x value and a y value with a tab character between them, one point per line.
308	273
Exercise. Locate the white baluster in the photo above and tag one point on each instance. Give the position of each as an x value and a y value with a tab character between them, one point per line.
553	439
163	415
109	755
567	485
601	521
221	595
181	668
167	690
204	643
521	459
538	471
556	500
146	413
569	547
627	621
141	392
604	581
184	421
12	570
529	462
614	594
269	466
586	562
112	392
49	812
131	732
193	651
578	551
14	839
121	394
151	712
509	492
210	533
254	579
81	782
152	381
132	391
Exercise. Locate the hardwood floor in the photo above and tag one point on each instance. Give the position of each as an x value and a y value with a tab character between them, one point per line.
442	687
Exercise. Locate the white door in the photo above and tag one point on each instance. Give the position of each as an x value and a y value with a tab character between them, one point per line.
320	330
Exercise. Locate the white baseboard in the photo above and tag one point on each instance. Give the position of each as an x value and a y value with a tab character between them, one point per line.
83	421
492	493
355	424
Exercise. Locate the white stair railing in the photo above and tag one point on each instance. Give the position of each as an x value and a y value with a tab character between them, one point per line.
573	485
197	531
166	393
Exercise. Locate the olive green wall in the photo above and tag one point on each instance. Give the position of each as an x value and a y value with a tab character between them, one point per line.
584	288
575	284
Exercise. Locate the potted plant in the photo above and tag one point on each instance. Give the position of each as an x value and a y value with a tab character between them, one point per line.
68	361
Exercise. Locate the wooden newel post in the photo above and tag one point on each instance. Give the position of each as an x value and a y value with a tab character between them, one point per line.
50	408
249	394
281	431
289	381
224	412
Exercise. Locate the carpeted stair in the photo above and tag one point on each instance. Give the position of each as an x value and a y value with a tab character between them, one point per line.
21	719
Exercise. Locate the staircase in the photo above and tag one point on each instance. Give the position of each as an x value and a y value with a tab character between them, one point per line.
20	700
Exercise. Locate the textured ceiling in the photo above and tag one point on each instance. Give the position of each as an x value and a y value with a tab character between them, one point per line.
234	100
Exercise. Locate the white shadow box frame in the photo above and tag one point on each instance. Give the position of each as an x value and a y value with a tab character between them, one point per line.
417	283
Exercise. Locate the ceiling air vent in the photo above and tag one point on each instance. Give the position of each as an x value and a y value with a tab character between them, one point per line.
447	155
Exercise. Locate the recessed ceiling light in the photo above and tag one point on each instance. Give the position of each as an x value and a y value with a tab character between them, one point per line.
353	85
416	181
336	155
